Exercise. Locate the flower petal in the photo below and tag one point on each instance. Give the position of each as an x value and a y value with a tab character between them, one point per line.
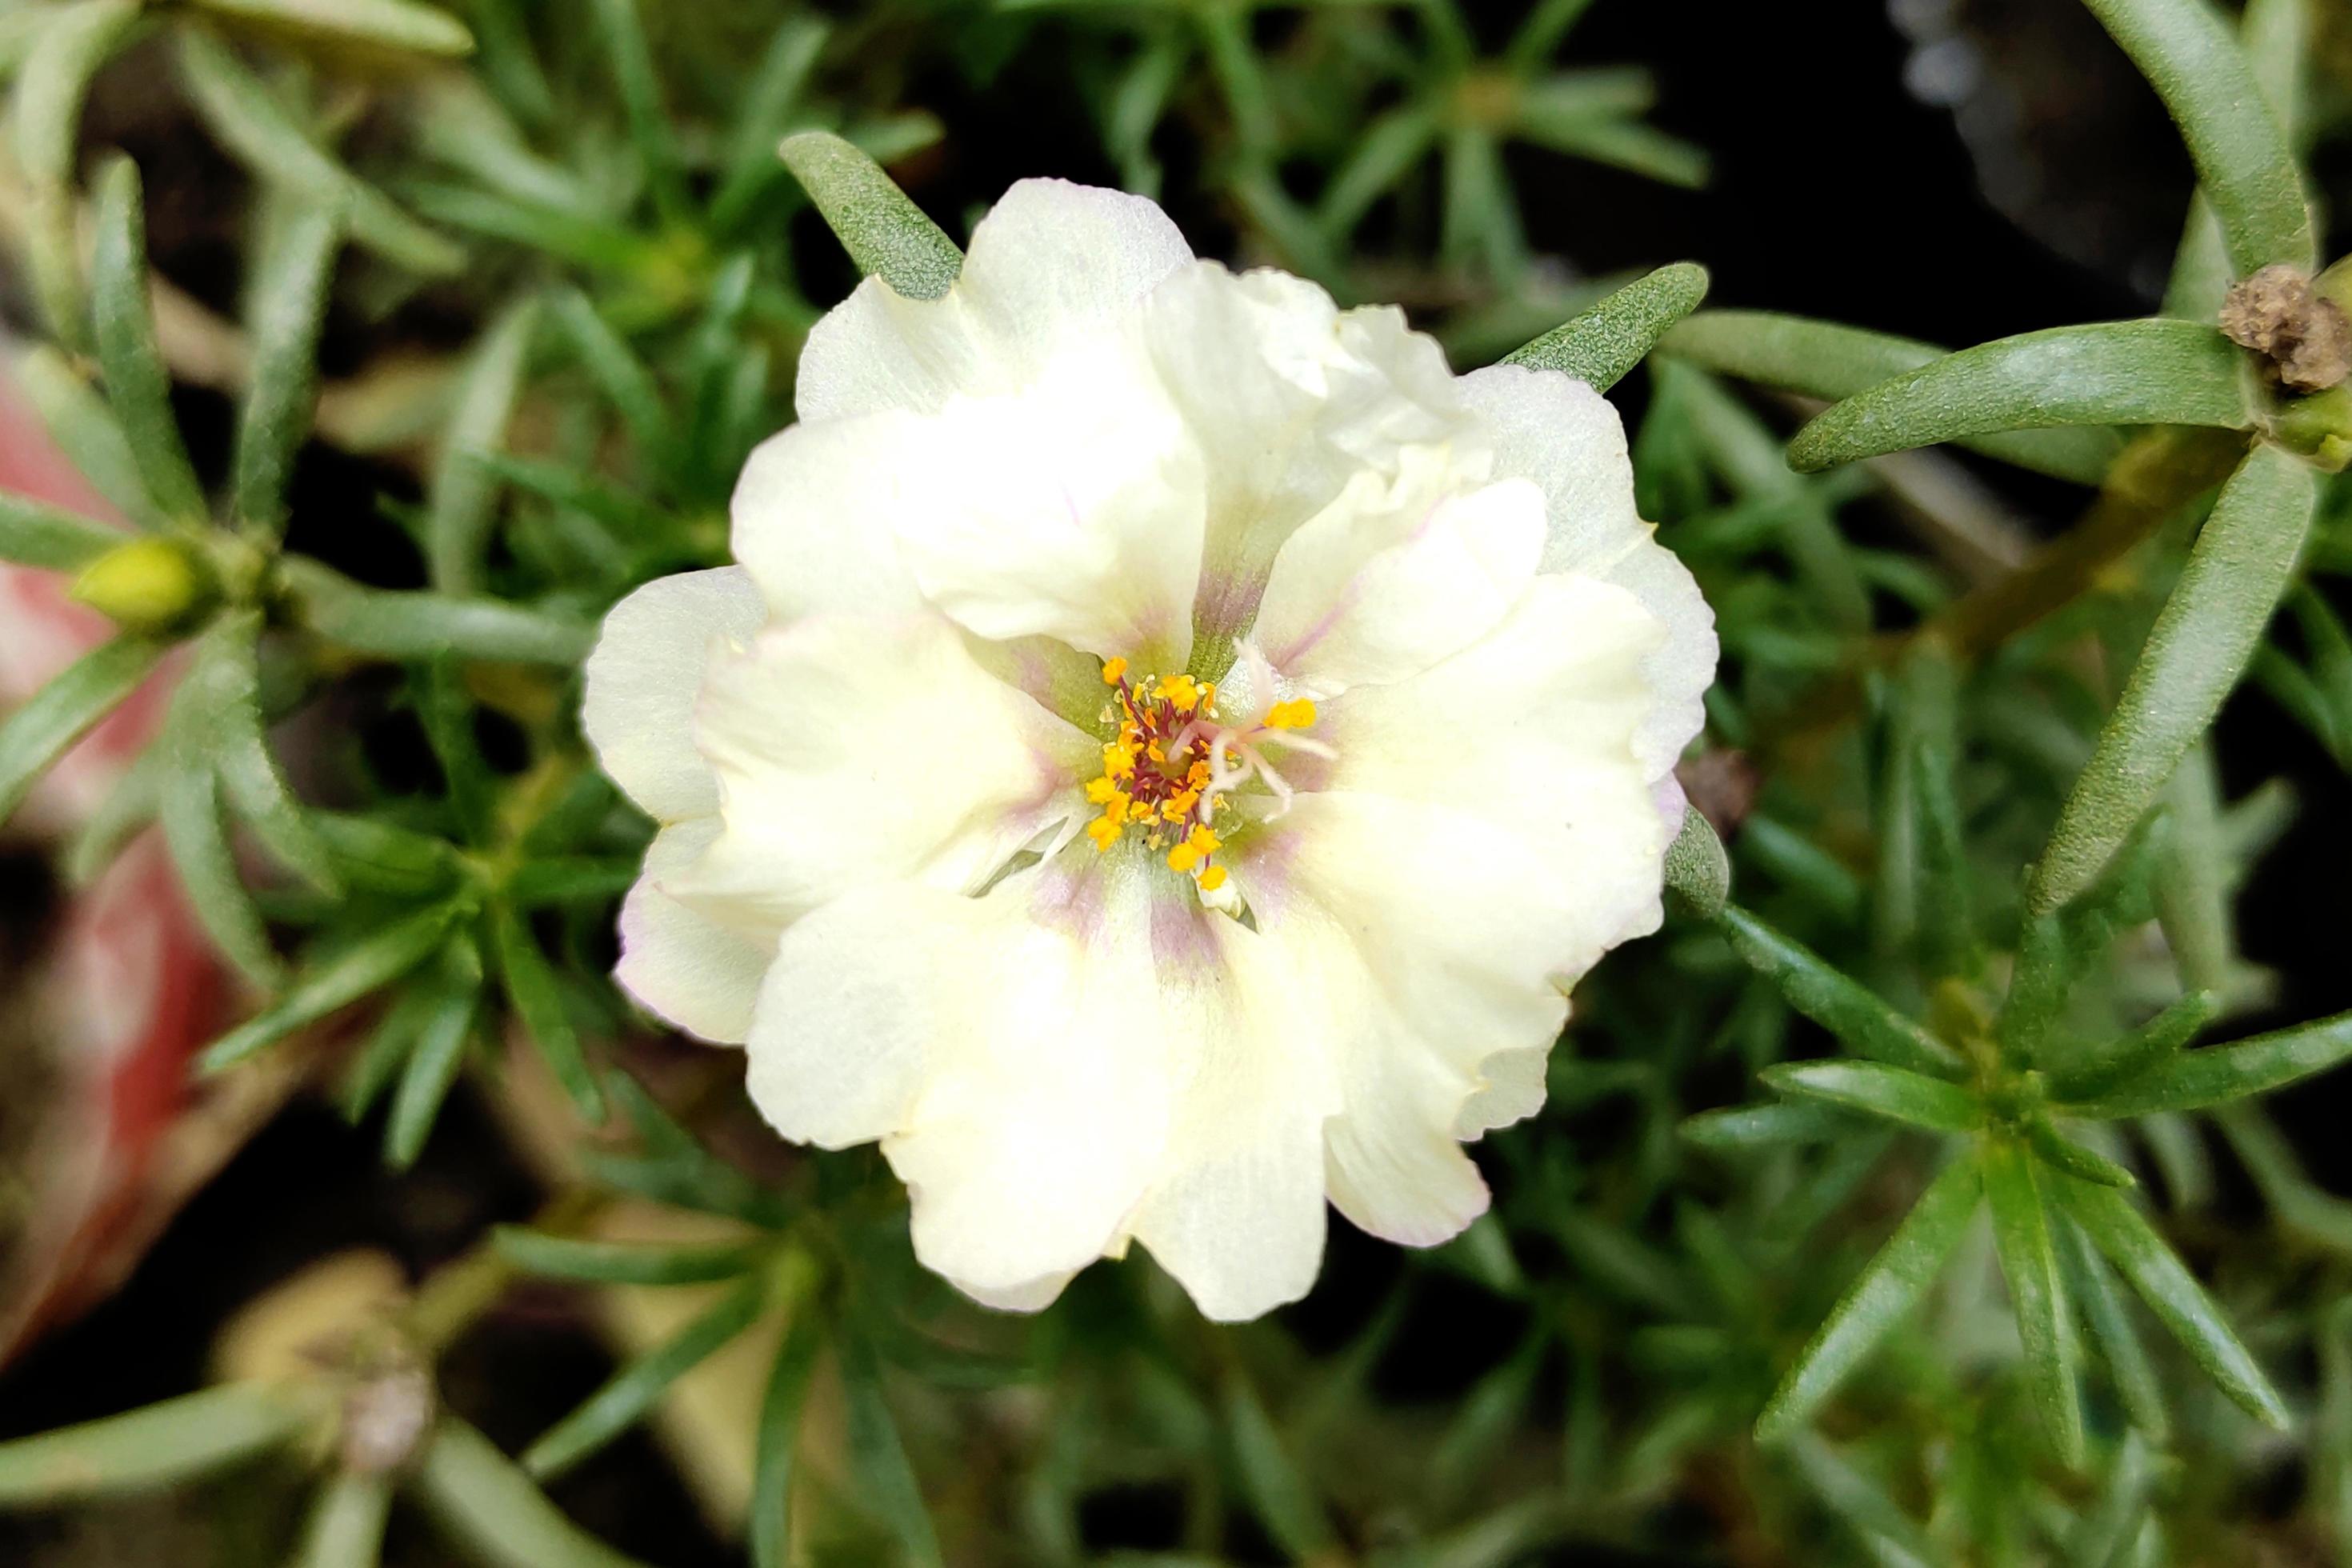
817	510
1293	397
1556	430
1388	580
1051	264
697	972
1073	509
1236	1211
850	751
995	1047
642	679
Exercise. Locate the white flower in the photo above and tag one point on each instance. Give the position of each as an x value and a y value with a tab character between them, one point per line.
1168	749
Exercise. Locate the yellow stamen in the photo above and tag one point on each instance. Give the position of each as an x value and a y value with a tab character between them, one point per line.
1114	671
1299	713
1184	857
1213	879
1104	831
1204	842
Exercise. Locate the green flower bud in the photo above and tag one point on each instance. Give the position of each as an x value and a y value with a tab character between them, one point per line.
2317	428
147	585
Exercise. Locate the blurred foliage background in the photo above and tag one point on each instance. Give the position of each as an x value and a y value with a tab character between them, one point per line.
416	336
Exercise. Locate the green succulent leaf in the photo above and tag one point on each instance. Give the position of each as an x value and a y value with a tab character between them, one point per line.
2217	1075
33	533
365	965
623	1401
1836	1002
2145	1260
1609	340
345	1528
886	234
189	810
401	625
531	984
778	1439
87	432
2243	164
286	308
1825	359
1771	1125
154	1447
62	712
406	25
2037	1293
624	1263
2126	1060
2152	372
224	683
2091	1283
463	496
1696	867
2208	629
877	1459
1882	1296
445	1027
1874	1088
490	1507
137	384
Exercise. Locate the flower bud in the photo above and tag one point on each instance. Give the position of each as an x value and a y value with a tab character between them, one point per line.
147	585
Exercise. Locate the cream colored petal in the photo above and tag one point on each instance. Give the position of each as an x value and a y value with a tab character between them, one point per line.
1293	397
997	1048
1237	1209
1072	510
1536	727
680	964
1051	264
816	513
850	751
1388	580
1557	431
641	683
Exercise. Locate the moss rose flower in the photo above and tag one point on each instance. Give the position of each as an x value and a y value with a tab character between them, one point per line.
1166	751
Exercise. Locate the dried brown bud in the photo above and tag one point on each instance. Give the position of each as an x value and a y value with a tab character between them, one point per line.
2305	336
386	1414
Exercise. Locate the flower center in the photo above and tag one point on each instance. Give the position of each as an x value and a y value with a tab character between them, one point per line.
1173	764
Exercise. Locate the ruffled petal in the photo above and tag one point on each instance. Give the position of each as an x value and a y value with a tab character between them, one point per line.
1536	727
850	751
1073	510
816	513
701	974
1557	431
1052	264
642	679
1388	580
995	1047
1295	397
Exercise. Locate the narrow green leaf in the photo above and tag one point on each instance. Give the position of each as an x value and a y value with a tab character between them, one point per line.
2089	1281
1886	1532
622	33
33	533
73	44
623	1401
2121	1514
2055	1149
151	1449
1609	340
2163	1282
286	307
387	1050
1771	1125
248	119
1282	1497
2154	372
57	715
1485	1419
87	431
2029	1261
1696	867
2220	1074
1619	143
877	1459
346	1525
616	368
364	966
2208	629
2137	1052
129	806
779	1424
443	1035
1384	151
225	680
530	985
189	809
376	856
393	24
421	625
886	234
1877	1090
1842	1006
137	384
462	496
623	1262
492	1509
2243	164
567	880
1825	359
1881	1296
